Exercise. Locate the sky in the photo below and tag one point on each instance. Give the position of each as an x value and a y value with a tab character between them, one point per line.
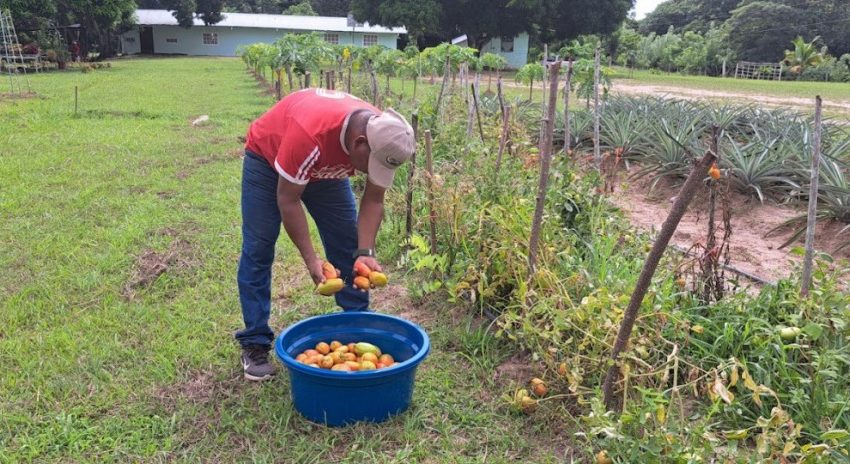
642	7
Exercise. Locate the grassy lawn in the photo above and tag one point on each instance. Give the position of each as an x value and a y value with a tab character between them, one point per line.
105	360
828	90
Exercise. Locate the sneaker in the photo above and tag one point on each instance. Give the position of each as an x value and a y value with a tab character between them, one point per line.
255	363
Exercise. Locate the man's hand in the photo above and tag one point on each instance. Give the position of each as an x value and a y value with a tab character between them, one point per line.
314	266
370	262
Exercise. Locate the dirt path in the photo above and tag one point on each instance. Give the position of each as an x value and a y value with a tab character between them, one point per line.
750	250
632	88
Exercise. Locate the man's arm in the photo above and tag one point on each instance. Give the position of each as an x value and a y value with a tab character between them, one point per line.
295	223
369	221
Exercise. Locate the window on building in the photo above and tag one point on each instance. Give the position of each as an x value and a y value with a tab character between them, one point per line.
171	40
210	38
370	39
332	38
507	44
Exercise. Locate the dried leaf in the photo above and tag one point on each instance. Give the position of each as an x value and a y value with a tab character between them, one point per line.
734	377
720	390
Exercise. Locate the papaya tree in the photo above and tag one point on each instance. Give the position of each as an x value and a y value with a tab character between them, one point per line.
494	62
528	74
389	64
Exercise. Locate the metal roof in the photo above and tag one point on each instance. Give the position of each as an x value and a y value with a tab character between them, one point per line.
269	21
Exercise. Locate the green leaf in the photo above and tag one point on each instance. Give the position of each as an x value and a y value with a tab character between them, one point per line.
814	331
835	434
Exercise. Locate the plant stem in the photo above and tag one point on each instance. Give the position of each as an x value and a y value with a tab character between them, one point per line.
645	279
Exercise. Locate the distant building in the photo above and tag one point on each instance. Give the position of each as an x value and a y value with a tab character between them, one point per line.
158	33
514	50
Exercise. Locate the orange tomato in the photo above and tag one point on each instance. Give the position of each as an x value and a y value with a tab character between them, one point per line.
386	359
327	362
336	356
367	366
341	367
379	365
301	357
353	365
311	352
335	345
362	283
349	357
342	349
361	269
369	357
323	348
351	347
329	271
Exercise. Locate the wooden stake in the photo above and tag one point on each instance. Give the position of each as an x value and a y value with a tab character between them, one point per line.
443	85
373	81
503	140
645	279
408	225
808	259
597	154
348	81
477	110
567	87
543	99
432	214
545	161
499	94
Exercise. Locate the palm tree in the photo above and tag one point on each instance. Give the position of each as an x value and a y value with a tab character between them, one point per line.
804	55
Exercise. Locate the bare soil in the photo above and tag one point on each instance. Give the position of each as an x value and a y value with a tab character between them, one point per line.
750	249
632	88
151	264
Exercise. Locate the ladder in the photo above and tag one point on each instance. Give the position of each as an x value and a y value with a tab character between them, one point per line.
11	55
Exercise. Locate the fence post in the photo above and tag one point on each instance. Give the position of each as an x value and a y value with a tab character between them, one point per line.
813	202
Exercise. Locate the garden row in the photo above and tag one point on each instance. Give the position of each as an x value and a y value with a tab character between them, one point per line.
755	376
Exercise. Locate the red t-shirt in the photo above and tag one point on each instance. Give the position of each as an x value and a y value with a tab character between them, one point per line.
301	136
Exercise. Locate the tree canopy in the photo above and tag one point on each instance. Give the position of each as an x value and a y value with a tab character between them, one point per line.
301	9
758	29
484	19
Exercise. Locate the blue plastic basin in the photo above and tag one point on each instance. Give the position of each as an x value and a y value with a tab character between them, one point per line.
339	398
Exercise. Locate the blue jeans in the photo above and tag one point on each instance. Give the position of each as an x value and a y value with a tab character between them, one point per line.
329	202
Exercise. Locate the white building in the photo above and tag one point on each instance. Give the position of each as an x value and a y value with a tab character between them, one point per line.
158	33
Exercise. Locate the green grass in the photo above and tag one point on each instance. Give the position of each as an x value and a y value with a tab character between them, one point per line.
797	89
95	371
